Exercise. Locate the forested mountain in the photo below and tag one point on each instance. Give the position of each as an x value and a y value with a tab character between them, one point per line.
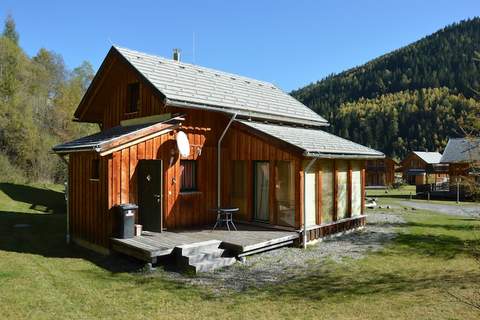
444	59
37	98
404	121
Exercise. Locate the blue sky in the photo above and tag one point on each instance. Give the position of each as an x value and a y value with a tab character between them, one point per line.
290	43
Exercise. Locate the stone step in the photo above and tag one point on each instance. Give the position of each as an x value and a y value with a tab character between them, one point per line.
196	248
210	265
204	255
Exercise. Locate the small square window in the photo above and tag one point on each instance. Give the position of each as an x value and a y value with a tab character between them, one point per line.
95	174
133	96
188	175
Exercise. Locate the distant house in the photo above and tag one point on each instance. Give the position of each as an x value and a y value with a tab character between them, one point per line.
463	158
251	146
421	167
380	172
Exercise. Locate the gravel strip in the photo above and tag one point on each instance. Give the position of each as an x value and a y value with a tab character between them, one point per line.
283	264
470	210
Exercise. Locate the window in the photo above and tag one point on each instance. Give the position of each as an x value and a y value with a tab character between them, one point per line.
328	181
133	95
285	193
342	192
188	175
357	188
95	174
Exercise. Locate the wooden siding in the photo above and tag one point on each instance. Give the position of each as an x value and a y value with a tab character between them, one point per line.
380	172
90	218
92	202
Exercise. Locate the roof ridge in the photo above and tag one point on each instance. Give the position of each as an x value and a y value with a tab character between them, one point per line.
202	86
196	66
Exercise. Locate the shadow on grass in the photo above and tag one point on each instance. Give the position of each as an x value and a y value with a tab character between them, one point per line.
446	227
41	200
43	233
331	285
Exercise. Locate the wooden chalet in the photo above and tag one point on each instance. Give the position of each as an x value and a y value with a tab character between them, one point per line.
463	158
252	146
421	168
380	172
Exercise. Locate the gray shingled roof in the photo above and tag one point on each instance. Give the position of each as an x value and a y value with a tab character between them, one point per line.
314	142
183	82
429	157
461	150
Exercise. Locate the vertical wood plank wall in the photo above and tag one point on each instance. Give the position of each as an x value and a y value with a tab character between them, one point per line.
92	202
89	216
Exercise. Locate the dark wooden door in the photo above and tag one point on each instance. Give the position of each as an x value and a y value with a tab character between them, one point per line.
150	194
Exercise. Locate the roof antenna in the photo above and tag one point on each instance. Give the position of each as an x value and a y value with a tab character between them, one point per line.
110	41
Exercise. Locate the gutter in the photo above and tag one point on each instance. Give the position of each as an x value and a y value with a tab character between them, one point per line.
309	165
219	158
319	155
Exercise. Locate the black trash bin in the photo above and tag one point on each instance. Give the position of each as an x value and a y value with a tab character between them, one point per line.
126	220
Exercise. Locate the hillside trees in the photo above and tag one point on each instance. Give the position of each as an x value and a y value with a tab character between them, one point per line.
408	120
375	91
37	98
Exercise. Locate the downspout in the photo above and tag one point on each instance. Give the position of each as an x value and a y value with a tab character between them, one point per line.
309	165
67	191
219	158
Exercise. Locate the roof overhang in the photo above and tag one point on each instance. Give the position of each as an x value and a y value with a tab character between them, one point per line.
109	144
413	172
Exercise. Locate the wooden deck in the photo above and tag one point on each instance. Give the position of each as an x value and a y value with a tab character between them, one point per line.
247	240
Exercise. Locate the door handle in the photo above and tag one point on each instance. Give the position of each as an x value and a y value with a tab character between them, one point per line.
157	197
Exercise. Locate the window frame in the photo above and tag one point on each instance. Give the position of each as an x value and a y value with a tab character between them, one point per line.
194	188
131	88
95	170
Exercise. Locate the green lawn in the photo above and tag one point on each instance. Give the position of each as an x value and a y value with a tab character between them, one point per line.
412	278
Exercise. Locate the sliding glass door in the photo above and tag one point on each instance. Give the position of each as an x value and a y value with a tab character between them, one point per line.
261	178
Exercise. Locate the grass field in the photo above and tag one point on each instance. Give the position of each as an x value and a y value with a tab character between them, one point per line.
412	278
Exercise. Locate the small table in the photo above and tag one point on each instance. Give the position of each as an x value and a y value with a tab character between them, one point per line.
225	215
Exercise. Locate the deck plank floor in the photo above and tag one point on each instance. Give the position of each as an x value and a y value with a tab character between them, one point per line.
248	238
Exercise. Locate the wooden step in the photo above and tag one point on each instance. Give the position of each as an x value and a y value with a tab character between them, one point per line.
199	257
196	248
210	265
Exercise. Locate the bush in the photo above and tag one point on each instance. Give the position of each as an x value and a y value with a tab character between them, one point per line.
10	173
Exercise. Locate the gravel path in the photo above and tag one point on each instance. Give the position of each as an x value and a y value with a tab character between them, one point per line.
469	210
283	264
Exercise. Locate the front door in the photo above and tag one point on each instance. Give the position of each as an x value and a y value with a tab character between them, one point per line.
150	191
261	180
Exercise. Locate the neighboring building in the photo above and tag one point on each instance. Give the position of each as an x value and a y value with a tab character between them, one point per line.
463	158
380	172
424	168
275	164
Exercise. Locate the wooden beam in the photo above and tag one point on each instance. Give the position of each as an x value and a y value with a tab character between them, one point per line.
117	146
362	178
319	194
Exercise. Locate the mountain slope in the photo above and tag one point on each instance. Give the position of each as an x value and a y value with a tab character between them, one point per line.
441	60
